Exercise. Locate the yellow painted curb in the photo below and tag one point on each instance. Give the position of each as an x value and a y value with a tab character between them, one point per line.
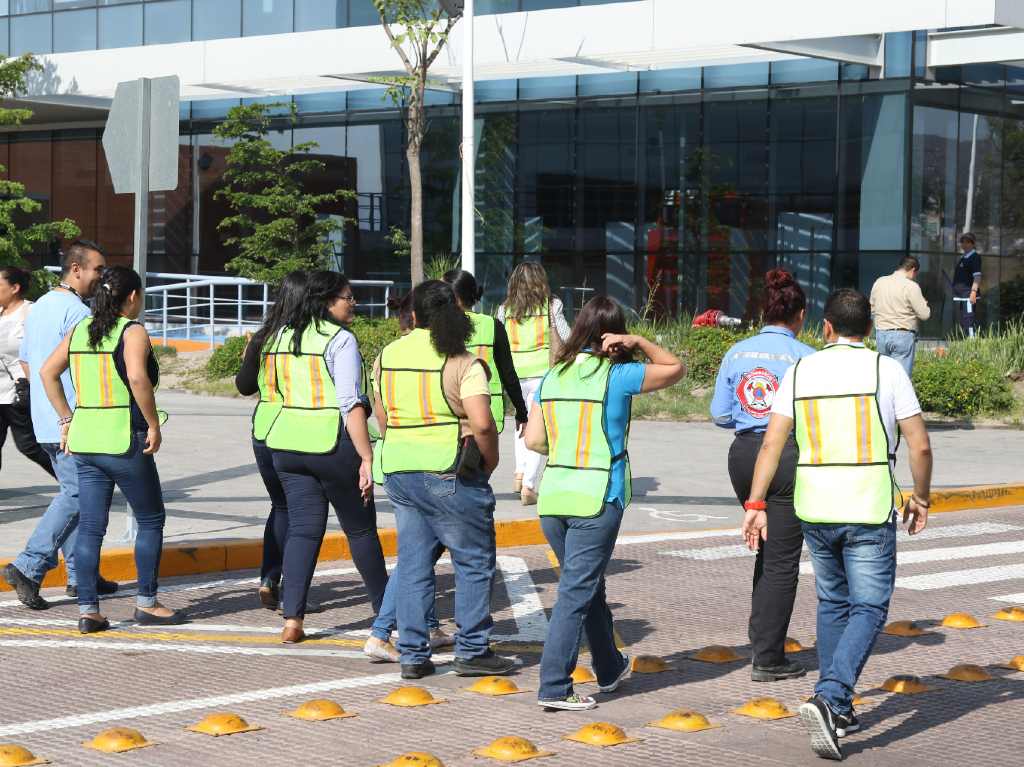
974	497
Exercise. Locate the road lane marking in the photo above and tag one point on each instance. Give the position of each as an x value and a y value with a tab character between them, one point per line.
948	553
524	599
1011	598
101	644
952	578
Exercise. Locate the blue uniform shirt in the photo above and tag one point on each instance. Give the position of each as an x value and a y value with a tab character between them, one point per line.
750	375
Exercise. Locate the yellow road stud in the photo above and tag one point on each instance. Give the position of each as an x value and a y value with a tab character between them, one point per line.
967	672
793	645
603	734
961	621
319	711
407	697
223	723
717	653
905	684
494	685
1015	614
904	629
13	755
415	759
117	740
583	675
1016	663
511	749
764	708
683	720
649	664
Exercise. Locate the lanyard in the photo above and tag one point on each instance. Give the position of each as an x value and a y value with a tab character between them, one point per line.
72	290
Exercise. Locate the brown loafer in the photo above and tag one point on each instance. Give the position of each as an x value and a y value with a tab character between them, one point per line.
292	635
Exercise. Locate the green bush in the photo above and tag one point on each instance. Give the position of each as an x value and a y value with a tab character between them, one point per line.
162	351
373	335
703	350
226	360
960	387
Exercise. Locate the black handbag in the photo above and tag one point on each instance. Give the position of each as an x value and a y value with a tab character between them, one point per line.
21	393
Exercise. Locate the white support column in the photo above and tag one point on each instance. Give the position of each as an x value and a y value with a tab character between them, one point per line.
468	144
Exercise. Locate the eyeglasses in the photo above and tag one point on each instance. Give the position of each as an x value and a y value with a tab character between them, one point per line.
350	298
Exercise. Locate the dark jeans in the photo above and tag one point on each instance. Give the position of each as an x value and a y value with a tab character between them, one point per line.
311	482
854	572
275	533
777	567
584	547
18	420
966	316
135	475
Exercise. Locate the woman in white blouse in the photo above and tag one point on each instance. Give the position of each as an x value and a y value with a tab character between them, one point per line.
14	410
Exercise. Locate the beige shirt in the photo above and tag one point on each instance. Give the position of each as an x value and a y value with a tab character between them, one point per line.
897	303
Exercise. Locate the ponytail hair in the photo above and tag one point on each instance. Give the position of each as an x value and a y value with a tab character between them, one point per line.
116	284
437	311
465	287
402	309
784	298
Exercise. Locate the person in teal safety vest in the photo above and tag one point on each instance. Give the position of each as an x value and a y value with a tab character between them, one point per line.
580	420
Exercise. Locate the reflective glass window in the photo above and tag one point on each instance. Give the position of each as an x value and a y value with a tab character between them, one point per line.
495	6
29	6
362	13
266	17
933	222
657	80
4	7
547	87
369	98
62	5
116	2
540	5
74	31
320	102
804	71
4	36
212	109
898	49
320	14
167	22
31	34
120	27
618	84
735	75
495	90
216	19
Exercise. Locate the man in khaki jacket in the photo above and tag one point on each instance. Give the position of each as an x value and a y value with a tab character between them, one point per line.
897	306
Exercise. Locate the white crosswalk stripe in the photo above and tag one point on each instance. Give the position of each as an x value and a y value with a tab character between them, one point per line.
1013	599
950	578
950	553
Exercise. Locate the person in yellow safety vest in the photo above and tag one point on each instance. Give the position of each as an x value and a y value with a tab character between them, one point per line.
536	331
440	447
581	422
114	432
489	343
257	375
848	405
321	445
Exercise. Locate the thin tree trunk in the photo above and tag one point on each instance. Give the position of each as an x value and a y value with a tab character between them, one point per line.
415	214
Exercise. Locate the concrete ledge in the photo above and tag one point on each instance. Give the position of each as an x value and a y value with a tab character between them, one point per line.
217	556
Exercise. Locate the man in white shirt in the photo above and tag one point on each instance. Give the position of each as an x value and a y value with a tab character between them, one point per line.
848	405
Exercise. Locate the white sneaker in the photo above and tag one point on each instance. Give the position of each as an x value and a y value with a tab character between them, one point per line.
439	639
574	702
380	651
623	675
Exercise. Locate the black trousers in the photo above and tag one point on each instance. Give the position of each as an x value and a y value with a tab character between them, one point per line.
777	567
275	533
18	420
310	482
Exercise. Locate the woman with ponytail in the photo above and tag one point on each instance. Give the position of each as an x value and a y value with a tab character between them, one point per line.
114	432
747	383
440	446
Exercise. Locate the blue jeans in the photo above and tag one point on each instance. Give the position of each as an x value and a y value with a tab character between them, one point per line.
854	571
898	344
57	528
432	509
387	621
584	548
136	477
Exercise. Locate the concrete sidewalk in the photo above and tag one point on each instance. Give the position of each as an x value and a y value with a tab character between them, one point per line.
213	491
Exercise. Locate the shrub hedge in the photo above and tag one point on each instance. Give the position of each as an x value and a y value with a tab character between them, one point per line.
957	387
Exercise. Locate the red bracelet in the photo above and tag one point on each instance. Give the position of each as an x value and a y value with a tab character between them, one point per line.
755	506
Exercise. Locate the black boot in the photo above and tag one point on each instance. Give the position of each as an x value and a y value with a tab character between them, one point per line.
26	588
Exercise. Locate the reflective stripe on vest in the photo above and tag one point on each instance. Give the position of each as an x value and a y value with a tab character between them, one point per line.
578	474
529	338
269	406
422	431
843	475
309	420
102	421
481	345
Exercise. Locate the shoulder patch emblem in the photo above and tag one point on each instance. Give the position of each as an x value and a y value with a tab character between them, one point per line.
756	392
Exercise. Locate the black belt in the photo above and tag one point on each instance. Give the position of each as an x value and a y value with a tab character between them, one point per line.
897	330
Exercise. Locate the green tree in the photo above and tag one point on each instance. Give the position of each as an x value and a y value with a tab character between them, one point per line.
20	234
276	225
418	31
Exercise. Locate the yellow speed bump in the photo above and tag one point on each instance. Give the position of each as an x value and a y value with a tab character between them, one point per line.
904	629
511	749
716	653
13	755
967	672
905	684
117	740
415	759
792	645
764	708
1016	663
494	685
961	621
223	723
583	675
1015	614
319	711
407	697
683	720
649	664
603	734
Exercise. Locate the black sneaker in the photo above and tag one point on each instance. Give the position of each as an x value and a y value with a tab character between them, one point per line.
488	664
788	670
26	588
103	588
417	670
846	725
819	721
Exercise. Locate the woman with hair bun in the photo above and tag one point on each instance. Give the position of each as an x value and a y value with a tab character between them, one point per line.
746	386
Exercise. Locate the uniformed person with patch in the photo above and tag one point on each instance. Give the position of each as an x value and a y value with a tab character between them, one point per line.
967	285
744	392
